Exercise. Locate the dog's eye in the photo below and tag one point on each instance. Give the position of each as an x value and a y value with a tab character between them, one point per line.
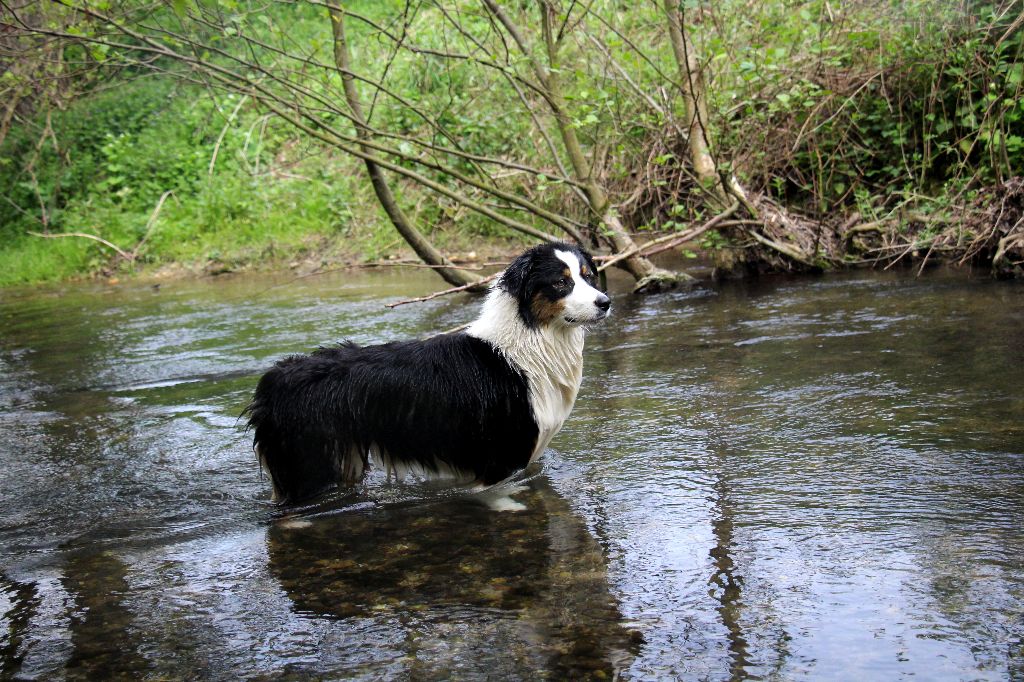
563	283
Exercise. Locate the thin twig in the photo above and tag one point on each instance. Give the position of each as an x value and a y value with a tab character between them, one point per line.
437	294
414	264
223	133
124	254
457	328
151	223
913	245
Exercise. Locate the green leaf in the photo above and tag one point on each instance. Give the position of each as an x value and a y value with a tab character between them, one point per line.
1015	75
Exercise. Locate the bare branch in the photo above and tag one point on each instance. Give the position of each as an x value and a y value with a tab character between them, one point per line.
673	239
437	294
423	248
84	235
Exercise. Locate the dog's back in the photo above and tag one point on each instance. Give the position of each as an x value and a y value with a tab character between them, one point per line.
452	403
479	405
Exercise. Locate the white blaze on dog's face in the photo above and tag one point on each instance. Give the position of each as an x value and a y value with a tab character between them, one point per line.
555	285
583	302
551	286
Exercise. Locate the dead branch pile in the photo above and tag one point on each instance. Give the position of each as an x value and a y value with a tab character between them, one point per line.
661	186
791	241
987	232
995	224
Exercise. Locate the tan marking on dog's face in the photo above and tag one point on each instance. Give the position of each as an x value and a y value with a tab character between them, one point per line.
545	310
583	302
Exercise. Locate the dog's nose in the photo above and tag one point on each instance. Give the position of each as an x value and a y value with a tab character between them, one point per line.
603	302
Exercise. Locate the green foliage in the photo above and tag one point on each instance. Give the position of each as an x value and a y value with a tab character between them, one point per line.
915	97
62	155
827	105
120	152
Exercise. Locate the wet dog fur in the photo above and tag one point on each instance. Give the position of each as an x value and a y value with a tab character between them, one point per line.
478	405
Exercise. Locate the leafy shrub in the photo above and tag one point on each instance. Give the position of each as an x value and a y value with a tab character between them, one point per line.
911	97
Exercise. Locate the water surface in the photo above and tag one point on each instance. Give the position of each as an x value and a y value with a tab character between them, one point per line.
814	478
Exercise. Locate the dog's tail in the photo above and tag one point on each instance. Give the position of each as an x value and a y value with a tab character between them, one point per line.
302	455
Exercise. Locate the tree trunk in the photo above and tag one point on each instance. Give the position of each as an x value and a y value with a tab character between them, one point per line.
412	236
691	85
649	277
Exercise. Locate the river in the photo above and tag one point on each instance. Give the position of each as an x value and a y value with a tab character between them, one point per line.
817	478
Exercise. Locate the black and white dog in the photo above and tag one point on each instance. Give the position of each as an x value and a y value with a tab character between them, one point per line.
480	404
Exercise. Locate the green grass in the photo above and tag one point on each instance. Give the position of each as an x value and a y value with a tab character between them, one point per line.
29	259
230	221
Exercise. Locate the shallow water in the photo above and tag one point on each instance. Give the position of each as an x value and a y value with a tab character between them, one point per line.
818	478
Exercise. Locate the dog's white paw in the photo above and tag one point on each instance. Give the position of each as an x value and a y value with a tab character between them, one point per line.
499	498
294	524
504	503
511	490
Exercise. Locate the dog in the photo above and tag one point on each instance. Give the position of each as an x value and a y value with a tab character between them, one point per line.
478	405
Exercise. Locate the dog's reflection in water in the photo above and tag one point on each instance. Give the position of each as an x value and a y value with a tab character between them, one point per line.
459	588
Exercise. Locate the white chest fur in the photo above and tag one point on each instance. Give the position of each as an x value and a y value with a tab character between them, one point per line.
555	383
550	357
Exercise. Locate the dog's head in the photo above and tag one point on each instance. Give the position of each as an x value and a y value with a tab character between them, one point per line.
555	284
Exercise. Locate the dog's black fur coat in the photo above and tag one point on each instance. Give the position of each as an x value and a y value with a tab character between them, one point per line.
449	399
454	402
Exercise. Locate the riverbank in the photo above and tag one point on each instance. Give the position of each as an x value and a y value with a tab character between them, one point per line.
985	233
983	229
61	257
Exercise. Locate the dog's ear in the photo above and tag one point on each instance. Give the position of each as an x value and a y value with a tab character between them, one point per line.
517	274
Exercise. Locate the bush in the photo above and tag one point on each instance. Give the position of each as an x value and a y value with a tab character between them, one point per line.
918	97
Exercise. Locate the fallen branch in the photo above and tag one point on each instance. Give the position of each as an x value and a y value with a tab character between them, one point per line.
674	239
874	226
129	256
717	221
1005	244
122	253
734	189
924	261
438	294
913	247
784	249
